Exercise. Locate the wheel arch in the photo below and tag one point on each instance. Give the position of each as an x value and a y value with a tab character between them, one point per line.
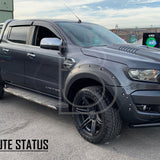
88	77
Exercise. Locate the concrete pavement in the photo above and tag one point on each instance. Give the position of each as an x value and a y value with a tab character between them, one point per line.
21	119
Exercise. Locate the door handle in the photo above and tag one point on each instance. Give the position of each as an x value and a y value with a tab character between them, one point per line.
5	50
31	55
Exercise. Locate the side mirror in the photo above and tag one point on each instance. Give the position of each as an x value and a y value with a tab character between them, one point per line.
51	43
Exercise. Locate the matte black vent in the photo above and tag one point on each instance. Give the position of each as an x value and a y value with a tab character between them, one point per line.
128	49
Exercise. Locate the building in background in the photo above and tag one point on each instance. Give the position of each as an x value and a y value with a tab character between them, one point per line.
131	35
6	10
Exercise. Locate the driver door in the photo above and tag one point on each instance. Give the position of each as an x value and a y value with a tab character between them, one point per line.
42	66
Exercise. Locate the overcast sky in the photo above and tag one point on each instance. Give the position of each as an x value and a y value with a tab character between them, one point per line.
124	13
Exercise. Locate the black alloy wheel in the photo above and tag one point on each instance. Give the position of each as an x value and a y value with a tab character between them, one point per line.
95	122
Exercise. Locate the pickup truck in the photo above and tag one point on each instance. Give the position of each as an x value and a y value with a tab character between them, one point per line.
82	69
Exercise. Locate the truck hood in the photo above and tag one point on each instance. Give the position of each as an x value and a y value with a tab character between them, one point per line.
131	55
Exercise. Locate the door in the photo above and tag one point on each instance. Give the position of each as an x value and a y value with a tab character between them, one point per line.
12	55
42	65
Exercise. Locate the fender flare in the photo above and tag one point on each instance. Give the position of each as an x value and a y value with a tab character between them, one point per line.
93	72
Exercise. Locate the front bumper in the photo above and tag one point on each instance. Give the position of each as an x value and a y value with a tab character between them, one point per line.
140	106
146	97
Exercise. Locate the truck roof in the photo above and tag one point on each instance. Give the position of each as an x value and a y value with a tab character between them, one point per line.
17	22
47	20
14	22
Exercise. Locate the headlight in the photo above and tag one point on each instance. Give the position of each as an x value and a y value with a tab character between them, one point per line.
150	75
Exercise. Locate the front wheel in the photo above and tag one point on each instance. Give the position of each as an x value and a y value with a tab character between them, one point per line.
94	119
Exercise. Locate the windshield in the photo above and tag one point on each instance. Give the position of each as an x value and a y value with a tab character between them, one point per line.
89	35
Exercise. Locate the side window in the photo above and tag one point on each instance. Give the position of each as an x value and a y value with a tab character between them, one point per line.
40	33
19	34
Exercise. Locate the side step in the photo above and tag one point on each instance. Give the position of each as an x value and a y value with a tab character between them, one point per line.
146	125
37	98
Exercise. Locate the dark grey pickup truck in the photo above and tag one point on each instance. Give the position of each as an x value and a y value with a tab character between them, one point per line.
82	69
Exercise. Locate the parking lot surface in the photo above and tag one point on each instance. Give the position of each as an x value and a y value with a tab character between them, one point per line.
21	119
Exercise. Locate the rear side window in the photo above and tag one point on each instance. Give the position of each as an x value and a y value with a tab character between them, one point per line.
19	34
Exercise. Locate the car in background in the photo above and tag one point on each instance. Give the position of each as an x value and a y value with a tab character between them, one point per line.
1	25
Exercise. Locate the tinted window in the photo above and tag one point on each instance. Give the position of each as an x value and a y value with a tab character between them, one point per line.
42	32
88	35
19	34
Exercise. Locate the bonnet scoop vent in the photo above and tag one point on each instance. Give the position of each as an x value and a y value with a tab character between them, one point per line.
128	49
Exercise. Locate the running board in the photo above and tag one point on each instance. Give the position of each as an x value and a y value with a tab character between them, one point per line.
146	125
37	98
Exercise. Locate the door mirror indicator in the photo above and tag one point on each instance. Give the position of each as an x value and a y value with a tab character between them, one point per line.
51	43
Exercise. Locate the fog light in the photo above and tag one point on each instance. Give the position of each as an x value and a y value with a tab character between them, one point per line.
143	108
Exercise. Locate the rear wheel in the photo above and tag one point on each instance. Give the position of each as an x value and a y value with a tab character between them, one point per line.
95	121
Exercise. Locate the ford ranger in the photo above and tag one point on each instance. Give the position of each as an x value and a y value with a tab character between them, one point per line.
82	69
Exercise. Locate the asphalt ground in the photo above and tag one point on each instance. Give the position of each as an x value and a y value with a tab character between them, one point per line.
21	119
